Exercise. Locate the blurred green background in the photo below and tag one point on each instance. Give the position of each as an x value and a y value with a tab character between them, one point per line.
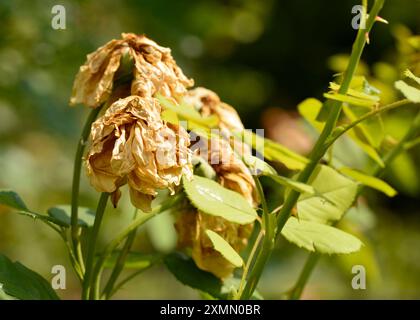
263	57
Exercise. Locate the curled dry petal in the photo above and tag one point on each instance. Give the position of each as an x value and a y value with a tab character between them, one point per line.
155	71
131	144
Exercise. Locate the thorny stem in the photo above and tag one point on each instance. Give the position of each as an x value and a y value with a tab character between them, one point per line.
317	152
377	171
92	245
75	232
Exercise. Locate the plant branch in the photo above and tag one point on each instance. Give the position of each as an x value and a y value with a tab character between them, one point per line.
119	264
377	171
75	233
318	150
92	244
268	242
339	131
113	245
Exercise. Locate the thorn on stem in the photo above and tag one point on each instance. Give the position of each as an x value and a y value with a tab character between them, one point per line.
380	19
367	37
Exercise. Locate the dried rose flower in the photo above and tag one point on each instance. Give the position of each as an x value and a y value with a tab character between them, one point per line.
155	71
191	227
131	144
209	103
231	173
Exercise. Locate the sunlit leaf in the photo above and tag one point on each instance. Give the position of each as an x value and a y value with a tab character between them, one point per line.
258	166
224	248
211	198
410	75
273	151
368	149
371	133
309	109
334	195
18	281
368	103
318	237
369	181
411	93
355	93
294	185
188	113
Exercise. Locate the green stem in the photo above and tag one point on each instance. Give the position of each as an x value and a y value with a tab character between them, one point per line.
113	245
319	149
92	244
268	242
377	171
339	131
119	264
304	275
75	233
132	276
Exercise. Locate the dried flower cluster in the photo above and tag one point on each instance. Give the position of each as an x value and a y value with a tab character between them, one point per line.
131	144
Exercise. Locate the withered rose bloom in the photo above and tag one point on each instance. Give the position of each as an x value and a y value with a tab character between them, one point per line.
192	224
154	71
208	103
131	144
191	227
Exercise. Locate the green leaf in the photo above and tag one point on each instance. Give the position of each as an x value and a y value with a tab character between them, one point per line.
224	248
272	151
185	270
13	200
410	75
22	283
294	185
334	195
351	100
318	237
258	166
309	109
186	112
411	93
371	133
4	295
134	260
355	93
368	149
211	198
369	181
62	214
